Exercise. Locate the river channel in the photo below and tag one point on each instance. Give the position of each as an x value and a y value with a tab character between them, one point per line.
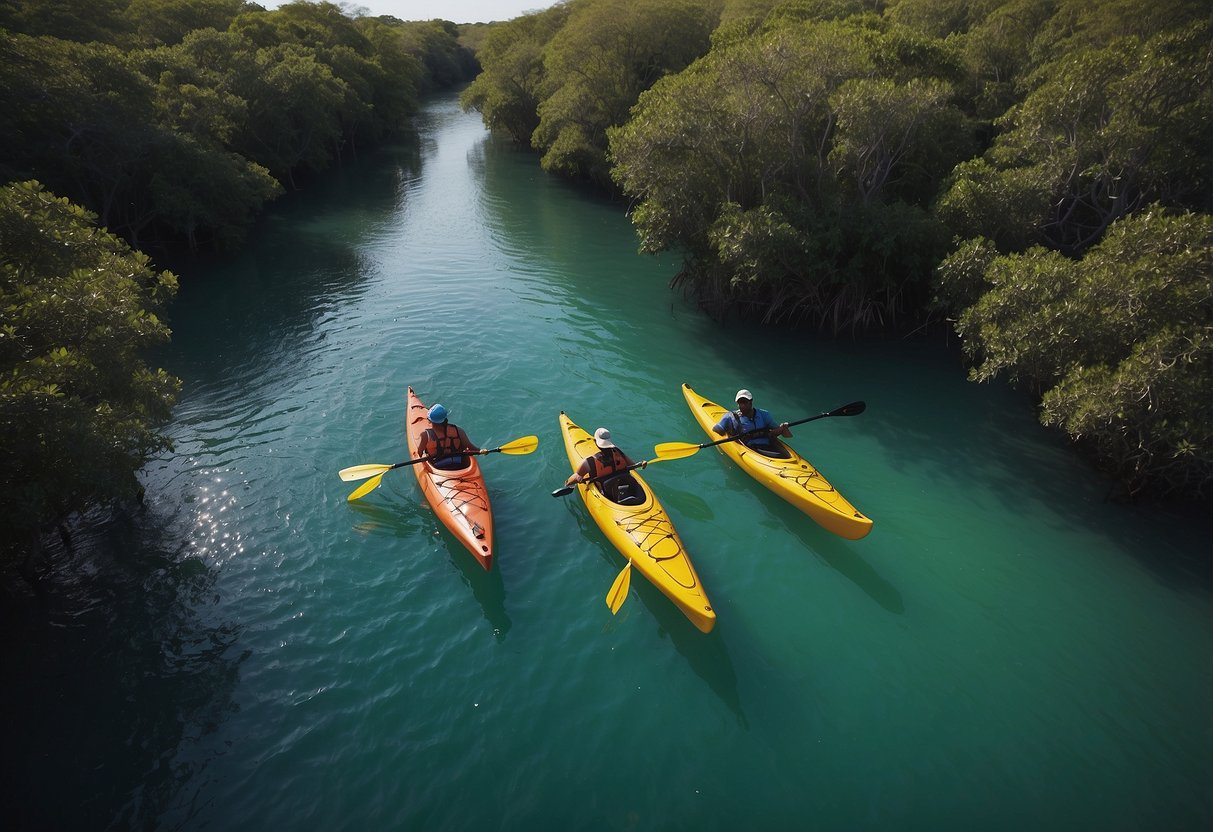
1006	650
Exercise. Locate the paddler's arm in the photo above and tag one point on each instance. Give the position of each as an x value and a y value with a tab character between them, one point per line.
467	443
582	474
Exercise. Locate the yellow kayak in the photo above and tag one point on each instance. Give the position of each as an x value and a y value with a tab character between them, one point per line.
643	533
793	478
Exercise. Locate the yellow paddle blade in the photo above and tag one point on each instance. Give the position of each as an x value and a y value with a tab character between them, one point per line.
366	488
675	450
619	589
361	472
522	445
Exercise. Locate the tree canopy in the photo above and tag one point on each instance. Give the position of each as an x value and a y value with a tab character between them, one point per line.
176	120
164	122
857	165
78	406
558	80
791	166
1102	132
1119	343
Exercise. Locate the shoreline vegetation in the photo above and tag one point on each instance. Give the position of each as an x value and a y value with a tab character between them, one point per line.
137	126
1035	174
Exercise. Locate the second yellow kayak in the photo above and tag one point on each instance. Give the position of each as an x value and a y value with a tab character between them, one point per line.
643	534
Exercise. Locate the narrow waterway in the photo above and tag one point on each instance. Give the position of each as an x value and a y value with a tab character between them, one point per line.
1006	650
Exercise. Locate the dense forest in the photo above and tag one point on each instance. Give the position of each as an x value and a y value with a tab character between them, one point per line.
136	125
1036	174
177	120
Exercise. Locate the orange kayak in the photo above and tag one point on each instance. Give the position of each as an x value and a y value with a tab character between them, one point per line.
459	498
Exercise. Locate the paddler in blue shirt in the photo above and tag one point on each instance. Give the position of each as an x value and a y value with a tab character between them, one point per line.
748	418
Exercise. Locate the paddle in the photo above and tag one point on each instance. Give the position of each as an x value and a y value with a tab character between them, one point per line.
680	450
522	445
619	589
569	489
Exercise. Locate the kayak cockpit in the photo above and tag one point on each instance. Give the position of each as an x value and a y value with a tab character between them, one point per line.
623	489
452	463
776	451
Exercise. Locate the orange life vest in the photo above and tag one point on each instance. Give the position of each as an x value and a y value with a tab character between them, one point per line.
606	462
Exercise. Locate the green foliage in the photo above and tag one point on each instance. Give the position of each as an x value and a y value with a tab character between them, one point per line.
878	121
196	82
297	101
81	117
598	63
1103	132
938	18
180	118
169	21
436	45
803	10
198	188
790	166
87	119
1074	25
78	407
961	276
508	91
1119	342
82	21
1006	205
400	75
998	50
317	25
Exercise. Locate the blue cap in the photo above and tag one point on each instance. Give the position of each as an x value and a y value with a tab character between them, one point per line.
437	413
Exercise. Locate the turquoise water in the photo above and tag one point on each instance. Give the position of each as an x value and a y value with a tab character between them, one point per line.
1006	650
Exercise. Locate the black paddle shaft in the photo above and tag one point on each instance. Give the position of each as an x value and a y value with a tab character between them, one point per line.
852	409
444	456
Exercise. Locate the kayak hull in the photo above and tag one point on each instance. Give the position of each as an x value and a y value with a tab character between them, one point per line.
460	498
794	479
643	534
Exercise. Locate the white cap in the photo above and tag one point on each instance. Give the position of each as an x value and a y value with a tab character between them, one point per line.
744	394
602	438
